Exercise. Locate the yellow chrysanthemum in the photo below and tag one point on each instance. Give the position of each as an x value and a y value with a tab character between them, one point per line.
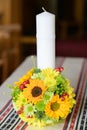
26	119
24	78
49	82
49	72
34	91
57	108
21	101
49	77
32	120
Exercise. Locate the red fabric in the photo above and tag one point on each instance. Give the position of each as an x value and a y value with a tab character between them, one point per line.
71	48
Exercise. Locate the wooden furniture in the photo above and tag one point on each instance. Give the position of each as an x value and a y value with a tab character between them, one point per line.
70	30
4	45
71	19
9	48
28	39
3	67
28	46
10	11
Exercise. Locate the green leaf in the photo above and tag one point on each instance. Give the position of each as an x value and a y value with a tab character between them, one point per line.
40	114
15	92
36	70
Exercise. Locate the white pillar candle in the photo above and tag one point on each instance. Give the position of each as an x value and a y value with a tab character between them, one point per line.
45	35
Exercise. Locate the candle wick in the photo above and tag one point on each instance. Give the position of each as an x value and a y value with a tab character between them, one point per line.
43	9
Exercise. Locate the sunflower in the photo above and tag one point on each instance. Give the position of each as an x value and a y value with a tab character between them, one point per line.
34	91
57	108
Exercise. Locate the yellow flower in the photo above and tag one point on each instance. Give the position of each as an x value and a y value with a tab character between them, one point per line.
34	91
26	119
50	82
49	72
57	108
49	77
24	78
21	101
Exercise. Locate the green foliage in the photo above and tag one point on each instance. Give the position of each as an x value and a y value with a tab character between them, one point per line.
15	92
36	70
40	114
40	106
60	79
60	85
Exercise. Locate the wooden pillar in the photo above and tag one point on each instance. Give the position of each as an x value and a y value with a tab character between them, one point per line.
79	10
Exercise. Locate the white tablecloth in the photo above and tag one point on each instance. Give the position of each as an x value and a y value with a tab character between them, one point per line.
75	69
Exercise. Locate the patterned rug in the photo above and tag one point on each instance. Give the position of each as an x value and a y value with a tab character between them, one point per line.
77	120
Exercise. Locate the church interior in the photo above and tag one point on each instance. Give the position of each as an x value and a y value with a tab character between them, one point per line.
18	30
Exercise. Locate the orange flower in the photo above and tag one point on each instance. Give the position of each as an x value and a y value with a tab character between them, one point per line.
34	91
24	78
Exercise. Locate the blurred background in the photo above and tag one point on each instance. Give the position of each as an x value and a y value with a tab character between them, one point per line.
18	30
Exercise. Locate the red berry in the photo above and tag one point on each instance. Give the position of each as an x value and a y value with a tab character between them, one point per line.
57	69
19	112
29	116
22	108
60	69
65	94
26	82
62	98
22	86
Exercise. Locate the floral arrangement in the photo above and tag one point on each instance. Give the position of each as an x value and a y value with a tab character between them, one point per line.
43	97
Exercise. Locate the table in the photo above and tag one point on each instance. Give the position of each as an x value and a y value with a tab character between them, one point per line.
75	69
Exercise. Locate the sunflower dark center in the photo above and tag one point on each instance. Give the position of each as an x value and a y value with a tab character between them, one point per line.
54	106
36	91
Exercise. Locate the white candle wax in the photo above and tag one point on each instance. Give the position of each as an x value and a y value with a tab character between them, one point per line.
45	33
